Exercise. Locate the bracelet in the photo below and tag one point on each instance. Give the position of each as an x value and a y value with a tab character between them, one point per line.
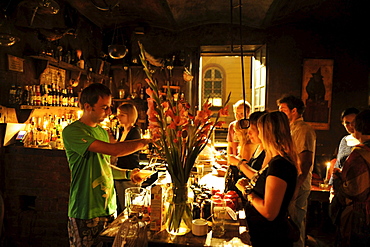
250	199
241	162
128	174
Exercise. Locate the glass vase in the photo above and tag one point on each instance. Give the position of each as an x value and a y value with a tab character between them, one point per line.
178	209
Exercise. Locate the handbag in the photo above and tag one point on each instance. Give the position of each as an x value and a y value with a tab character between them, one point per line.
293	230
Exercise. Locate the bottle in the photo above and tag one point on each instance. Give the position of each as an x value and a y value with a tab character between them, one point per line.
142	94
60	91
54	93
32	95
38	96
12	93
41	95
25	96
18	95
71	99
121	90
65	97
50	96
57	96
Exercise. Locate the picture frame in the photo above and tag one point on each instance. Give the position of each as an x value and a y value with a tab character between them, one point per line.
15	63
317	82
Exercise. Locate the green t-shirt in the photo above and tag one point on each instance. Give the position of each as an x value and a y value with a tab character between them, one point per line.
92	191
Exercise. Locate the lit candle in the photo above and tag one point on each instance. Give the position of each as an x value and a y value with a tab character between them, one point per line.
327	171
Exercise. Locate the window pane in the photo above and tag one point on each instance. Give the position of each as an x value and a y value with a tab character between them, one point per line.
217	73
207	84
217	84
208	74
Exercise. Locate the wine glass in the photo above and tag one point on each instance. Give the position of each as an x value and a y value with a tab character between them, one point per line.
39	137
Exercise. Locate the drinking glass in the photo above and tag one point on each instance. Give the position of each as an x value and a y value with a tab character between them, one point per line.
218	208
137	200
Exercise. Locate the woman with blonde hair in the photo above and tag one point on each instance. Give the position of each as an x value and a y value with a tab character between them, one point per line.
127	115
271	189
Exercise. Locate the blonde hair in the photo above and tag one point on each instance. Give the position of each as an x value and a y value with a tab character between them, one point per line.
275	135
131	111
242	103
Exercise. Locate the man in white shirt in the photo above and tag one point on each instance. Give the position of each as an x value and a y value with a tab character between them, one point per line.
304	138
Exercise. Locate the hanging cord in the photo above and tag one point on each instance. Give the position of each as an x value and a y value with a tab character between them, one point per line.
242	57
114	32
244	123
231	29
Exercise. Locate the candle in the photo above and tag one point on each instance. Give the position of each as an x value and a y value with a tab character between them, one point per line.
327	171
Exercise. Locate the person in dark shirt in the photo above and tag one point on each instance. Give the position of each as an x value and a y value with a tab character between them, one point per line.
271	189
127	115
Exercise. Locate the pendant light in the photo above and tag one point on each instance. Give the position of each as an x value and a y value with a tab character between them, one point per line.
6	38
115	50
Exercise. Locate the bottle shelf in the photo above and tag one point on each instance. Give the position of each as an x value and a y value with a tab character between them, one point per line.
33	107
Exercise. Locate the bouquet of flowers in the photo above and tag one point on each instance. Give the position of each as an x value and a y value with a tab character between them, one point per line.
180	135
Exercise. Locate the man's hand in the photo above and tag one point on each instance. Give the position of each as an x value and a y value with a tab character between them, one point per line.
135	176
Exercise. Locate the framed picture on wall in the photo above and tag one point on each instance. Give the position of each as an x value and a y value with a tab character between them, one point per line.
317	92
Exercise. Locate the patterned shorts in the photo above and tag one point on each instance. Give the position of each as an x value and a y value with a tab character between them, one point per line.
85	233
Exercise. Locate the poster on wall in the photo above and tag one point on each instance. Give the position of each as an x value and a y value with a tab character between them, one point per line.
317	92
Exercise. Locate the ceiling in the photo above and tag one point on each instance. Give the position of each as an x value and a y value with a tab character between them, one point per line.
176	15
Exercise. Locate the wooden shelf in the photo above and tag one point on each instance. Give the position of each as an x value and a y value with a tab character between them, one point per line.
44	61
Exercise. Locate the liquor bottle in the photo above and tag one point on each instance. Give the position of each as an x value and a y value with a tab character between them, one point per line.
38	96
65	97
60	96
25	96
121	90
50	96
71	99
46	95
54	94
12	93
32	95
42	93
18	95
142	93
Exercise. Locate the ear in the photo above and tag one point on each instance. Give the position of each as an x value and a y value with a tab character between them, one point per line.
294	111
87	107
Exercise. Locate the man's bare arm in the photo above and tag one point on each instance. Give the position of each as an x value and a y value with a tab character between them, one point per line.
118	148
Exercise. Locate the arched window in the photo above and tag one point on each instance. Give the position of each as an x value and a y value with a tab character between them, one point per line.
212	85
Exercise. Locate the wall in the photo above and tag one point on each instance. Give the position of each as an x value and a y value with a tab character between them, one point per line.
233	78
36	188
289	46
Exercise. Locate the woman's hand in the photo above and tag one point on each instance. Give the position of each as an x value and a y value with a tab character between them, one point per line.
241	184
233	159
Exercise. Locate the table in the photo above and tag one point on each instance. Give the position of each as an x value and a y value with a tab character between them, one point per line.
318	220
236	235
236	231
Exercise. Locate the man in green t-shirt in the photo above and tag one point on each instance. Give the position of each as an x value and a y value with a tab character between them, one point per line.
92	199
